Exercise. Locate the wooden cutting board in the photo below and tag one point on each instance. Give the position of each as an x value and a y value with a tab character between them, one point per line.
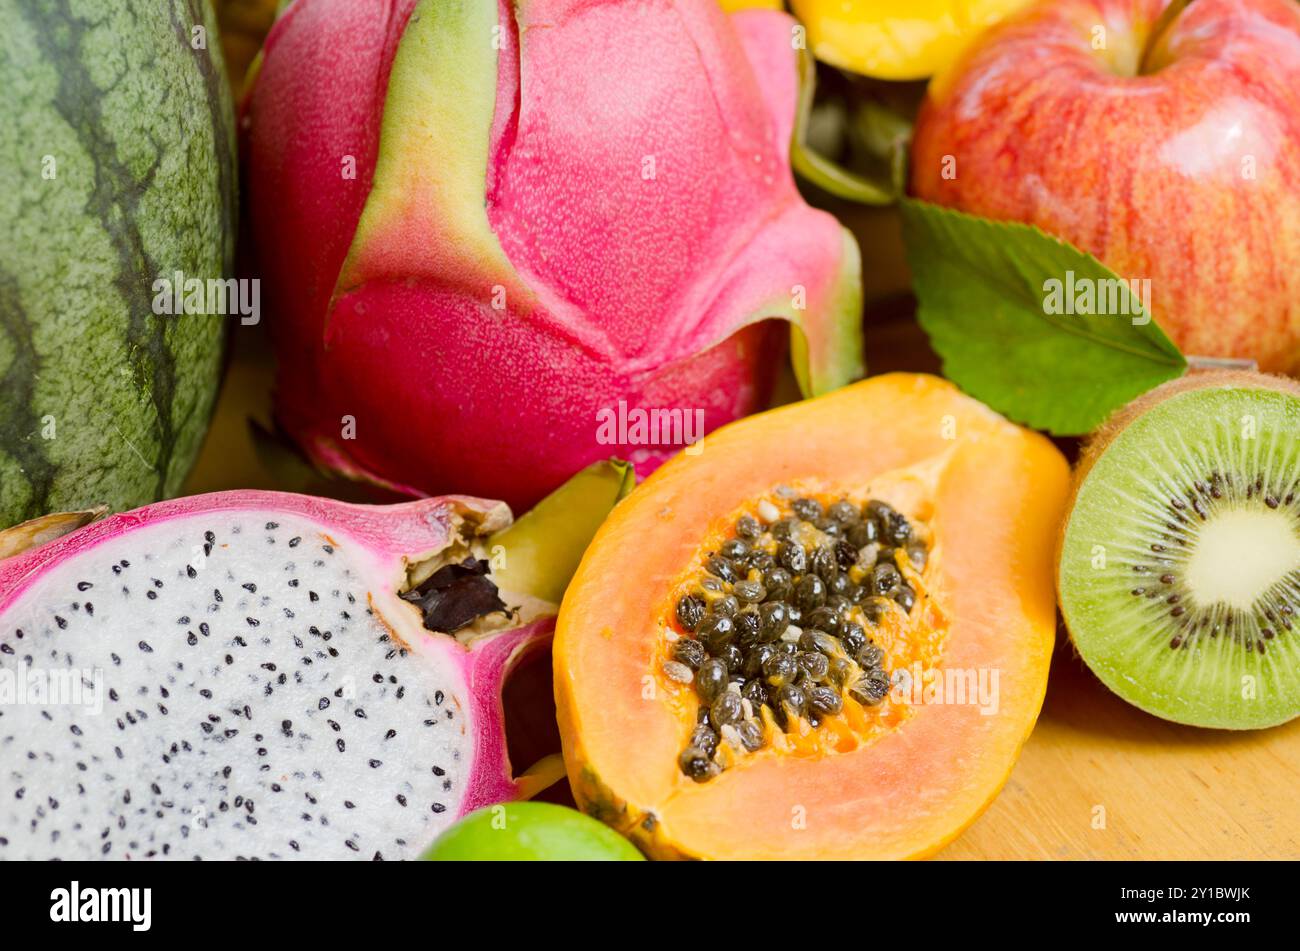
1098	779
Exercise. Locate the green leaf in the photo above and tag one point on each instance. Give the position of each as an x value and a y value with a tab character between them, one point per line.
1006	309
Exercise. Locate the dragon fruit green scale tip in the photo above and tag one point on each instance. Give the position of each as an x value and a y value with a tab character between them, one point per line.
486	227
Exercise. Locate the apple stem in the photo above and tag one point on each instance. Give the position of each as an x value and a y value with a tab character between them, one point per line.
1166	20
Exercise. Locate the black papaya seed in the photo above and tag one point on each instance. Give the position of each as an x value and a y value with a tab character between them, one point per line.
720	567
870	688
824	563
755	693
792	700
844	512
792	556
863	533
826	619
725	606
734	548
755	659
778	583
885	578
870	657
716	633
733	658
704	738
810	593
749	622
824	701
690	611
689	651
875	608
817	666
773	618
810	510
751	735
727	709
711	679
853	637
696	764
905	597
840	670
780	669
820	642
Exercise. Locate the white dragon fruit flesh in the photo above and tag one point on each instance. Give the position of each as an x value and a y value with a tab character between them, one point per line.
237	675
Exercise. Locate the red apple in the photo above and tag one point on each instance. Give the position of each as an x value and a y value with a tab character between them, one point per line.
1166	142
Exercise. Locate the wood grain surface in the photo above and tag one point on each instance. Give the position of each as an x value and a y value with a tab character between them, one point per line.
1100	779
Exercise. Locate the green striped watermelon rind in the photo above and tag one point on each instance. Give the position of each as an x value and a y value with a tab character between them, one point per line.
117	167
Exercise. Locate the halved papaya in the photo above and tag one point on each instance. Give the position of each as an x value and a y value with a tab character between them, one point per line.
926	524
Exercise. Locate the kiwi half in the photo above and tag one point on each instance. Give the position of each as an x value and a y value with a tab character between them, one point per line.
1179	564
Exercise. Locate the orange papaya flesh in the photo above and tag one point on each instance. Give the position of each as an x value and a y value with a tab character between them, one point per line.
897	779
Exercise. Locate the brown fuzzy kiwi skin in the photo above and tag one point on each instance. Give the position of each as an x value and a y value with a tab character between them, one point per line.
1096	444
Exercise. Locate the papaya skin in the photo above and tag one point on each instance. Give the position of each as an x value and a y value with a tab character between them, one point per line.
996	494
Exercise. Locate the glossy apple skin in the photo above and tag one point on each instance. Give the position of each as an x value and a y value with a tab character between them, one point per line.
1187	175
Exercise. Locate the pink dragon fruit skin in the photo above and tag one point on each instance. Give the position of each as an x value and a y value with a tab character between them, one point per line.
481	225
97	590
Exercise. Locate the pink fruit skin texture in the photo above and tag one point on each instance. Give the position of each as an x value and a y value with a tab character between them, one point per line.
387	533
1150	173
642	230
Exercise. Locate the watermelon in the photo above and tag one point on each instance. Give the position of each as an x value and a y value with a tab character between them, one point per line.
117	170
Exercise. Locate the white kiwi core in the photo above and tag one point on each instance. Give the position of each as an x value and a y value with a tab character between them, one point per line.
1239	554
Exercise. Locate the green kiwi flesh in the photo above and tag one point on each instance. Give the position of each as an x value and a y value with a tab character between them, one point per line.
1179	570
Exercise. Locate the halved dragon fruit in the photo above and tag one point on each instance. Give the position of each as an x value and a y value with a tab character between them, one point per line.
257	674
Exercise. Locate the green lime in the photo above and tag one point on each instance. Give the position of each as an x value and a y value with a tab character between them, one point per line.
530	832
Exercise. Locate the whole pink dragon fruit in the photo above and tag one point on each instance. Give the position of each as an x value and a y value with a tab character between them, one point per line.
260	674
504	239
